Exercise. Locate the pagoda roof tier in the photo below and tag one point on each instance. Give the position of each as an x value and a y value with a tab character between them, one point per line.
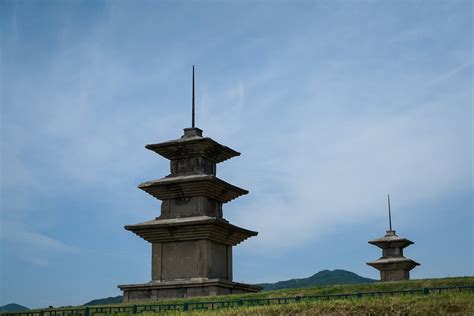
195	146
192	185
391	240
393	263
191	228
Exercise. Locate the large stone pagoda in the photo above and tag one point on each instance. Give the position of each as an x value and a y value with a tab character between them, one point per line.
191	242
393	266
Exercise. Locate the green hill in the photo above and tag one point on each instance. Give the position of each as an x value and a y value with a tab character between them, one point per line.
325	277
13	308
105	301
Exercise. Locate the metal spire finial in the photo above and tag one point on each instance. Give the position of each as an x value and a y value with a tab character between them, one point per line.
389	213
193	115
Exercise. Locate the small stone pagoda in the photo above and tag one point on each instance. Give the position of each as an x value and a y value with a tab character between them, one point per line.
191	242
393	266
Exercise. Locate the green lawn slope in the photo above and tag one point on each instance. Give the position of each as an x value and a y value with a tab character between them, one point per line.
434	304
333	289
446	303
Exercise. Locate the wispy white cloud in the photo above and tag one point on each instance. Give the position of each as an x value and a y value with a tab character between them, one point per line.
341	174
31	246
450	73
326	164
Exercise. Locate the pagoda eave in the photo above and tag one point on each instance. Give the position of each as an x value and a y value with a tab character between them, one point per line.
384	264
391	240
192	147
191	228
192	185
395	243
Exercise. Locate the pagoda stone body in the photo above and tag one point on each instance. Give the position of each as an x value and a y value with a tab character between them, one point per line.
393	266
191	241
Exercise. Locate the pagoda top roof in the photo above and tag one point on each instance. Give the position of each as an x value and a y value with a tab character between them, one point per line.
391	240
192	144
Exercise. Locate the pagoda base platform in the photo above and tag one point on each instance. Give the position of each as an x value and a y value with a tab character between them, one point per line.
157	290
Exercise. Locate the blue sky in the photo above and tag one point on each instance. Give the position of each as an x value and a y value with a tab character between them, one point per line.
333	104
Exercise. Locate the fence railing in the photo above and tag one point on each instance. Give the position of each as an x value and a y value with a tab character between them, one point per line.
212	305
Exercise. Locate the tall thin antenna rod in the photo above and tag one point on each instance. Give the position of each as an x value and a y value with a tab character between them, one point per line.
193	119
389	213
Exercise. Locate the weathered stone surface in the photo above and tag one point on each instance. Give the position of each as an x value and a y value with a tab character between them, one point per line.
192	165
190	259
394	275
191	207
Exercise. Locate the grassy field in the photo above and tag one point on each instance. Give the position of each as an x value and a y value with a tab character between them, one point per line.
457	303
435	304
338	289
446	303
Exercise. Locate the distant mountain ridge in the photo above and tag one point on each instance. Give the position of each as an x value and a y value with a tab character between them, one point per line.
13	308
106	301
324	277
